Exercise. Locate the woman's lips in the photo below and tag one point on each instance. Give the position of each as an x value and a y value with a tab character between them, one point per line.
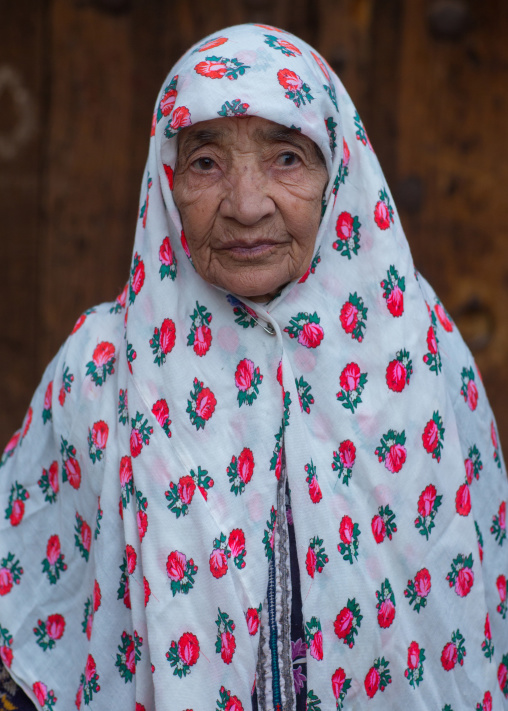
249	250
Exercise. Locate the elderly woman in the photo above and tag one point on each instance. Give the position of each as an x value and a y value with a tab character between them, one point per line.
267	476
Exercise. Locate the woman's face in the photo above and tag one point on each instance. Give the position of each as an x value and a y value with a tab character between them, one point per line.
249	194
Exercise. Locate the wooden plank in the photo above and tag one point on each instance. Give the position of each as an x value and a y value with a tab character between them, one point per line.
22	76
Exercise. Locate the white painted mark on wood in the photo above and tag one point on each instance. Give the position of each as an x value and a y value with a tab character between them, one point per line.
11	142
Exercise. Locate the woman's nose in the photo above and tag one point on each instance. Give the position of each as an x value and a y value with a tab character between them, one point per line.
247	197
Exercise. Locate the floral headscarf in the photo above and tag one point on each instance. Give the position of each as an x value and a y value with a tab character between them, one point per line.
140	496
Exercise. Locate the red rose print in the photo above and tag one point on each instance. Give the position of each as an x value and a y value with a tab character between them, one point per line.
53	477
278	465
79	697
426	500
350	377
41	691
6	581
413	655
167	102
244	374
430	436
53	550
463	500
202	340
349	317
55	626
316	646
218	563
344	226
90	668
130	658
236	542
338	679
216	42
181	118
395	458
234	704
161	411
464	581
228	646
346	530
103	353
395	302
315	491
136	442
147	591
310	561
48	396
493	435
386	613
211	69
185	246
371	682
165	251
343	623
100	432
468	463
502	676
142	521
131	559
443	318
167	336
127	595
487	701
175	565
205	403
347	453
245	465
97	596
422	582
378	528
396	375
86	536
169	175
382	215
61	396
186	488
431	341
472	395
73	472
311	335
449	656
279	375
125	470
289	80
18	510
6	656
501	587
188	648
252	620
81	320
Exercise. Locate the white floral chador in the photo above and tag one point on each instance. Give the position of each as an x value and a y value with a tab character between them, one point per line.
145	497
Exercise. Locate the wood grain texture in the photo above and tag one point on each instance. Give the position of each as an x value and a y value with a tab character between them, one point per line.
434	102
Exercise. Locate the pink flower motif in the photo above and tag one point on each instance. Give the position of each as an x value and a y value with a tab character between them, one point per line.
245	465
350	377
130	658
186	488
347	453
315	491
48	396
167	102
422	582
463	500
132	559
218	563
311	335
426	500
347	153
228	646
464	582
502	676
6	656
449	656
97	596
468	463
205	404
443	318
41	691
431	341
413	655
395	302
501	587
371	682
344	226
346	530
103	353
338	679
202	340
86	536
343	623
378	528
188	648
181	118
55	626
73	472
136	442
125	470
396	374
165	250
289	80
316	646
252	620
236	542
53	477
90	668
53	550
100	432
386	614
160	410
6	581
382	215
244	374
310	561
501	514
211	69
430	436
472	395
17	512
349	317
175	565
167	336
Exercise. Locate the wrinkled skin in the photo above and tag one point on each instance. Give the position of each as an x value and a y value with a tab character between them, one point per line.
249	194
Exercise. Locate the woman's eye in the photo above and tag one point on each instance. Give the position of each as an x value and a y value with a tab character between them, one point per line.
204	164
288	159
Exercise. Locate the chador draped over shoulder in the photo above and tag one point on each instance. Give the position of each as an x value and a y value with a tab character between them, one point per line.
146	498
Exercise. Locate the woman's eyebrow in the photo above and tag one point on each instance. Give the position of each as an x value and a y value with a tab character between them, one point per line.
275	134
200	138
